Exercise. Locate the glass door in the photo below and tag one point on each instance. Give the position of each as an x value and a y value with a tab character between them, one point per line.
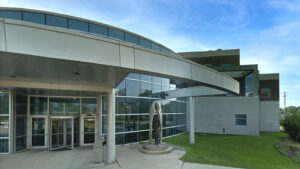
38	132
89	130
61	134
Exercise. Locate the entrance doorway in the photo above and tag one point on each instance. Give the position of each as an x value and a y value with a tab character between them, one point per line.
61	133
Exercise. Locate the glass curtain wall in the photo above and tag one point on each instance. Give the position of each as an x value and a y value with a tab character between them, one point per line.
21	121
4	122
135	95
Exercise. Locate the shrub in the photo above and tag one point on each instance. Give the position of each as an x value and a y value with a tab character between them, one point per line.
291	126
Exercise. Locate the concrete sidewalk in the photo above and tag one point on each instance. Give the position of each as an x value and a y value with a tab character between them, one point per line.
128	157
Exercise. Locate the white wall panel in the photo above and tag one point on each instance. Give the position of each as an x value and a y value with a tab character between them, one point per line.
212	114
2	35
269	116
127	57
53	44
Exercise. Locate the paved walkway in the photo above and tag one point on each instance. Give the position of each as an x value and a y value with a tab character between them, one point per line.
128	157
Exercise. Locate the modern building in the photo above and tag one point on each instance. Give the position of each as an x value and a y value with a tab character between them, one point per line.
67	81
254	109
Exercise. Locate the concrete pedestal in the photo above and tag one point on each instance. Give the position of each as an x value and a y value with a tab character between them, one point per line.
98	151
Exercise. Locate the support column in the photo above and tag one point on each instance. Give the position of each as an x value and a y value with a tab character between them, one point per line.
191	120
111	141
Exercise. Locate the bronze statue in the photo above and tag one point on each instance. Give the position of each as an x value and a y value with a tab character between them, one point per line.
156	131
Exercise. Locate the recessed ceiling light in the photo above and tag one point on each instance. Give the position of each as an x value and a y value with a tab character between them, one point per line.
77	73
13	76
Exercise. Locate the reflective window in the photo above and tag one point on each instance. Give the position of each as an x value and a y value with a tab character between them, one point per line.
132	106
121	89
166	106
11	14
4	126
143	136
120	124
131	38
89	106
3	145
226	64
64	106
249	85
4	103
145	105
120	105
89	130
21	104
265	92
165	88
98	29
130	137
145	43
156	89
133	76
120	139
56	21
144	122
156	79
34	17
173	107
38	105
165	50
78	25
116	34
156	47
165	81
241	119
38	131
104	105
132	87
145	89
21	128
131	123
145	78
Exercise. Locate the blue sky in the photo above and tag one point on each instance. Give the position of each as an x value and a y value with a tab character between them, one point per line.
266	31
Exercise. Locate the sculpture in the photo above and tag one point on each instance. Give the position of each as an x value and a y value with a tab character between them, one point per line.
155	129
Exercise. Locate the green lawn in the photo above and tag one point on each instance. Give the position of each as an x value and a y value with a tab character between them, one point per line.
252	152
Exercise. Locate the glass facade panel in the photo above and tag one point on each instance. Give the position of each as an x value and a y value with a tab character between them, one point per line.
34	17
120	124
21	128
249	85
120	139
133	76
64	106
89	106
121	89
145	78
131	137
89	130
21	104
145	105
145	89
156	90
265	92
4	146
165	82
145	43
132	87
131	38
132	106
156	47
38	105
4	103
78	25
38	131
114	33
144	122
143	136
120	105
11	14
156	79
131	123
98	29
165	51
56	21
4	126
104	105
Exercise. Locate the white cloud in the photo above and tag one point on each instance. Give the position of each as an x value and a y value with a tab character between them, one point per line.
290	5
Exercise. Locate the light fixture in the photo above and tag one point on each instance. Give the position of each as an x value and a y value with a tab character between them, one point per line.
77	73
13	76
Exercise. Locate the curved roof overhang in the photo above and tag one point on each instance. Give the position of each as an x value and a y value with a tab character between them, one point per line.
41	43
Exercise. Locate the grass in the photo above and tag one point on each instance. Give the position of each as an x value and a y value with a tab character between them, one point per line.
252	152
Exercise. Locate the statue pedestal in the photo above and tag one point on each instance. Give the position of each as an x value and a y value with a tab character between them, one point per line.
155	149
98	151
